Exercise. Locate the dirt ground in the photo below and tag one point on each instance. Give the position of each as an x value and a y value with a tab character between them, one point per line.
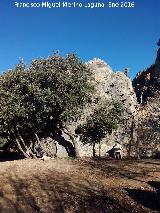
73	186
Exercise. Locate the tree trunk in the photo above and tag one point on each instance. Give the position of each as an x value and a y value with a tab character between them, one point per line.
28	150
131	142
20	147
129	148
137	149
67	132
94	151
99	148
38	140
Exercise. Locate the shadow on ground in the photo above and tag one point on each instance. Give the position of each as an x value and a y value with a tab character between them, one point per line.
9	156
149	199
120	168
55	193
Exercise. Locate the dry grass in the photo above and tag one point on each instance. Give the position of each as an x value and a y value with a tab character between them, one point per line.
80	186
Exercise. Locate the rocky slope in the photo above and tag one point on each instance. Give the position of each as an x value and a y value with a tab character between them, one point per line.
147	83
149	128
147	89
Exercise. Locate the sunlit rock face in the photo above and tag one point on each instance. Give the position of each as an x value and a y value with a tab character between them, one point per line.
101	69
117	87
112	87
147	88
147	82
149	130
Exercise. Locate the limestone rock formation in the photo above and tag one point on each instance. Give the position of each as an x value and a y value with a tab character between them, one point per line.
101	70
147	83
157	64
46	147
111	86
147	88
141	120
116	86
149	128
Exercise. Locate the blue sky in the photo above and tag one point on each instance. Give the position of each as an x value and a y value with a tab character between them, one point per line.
122	37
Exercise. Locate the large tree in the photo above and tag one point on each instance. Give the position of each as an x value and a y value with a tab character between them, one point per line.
42	99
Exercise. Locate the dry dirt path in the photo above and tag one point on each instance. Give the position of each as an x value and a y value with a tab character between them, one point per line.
30	186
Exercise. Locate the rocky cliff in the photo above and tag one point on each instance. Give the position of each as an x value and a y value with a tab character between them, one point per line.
147	83
141	132
114	85
111	86
148	131
147	89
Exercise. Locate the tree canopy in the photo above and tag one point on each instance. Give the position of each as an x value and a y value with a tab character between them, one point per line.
40	99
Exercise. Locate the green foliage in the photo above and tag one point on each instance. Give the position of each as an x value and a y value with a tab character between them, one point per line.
103	121
43	97
50	93
71	158
3	141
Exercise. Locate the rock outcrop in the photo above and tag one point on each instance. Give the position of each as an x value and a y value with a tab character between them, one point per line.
114	85
147	83
110	86
147	88
148	131
157	63
141	120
